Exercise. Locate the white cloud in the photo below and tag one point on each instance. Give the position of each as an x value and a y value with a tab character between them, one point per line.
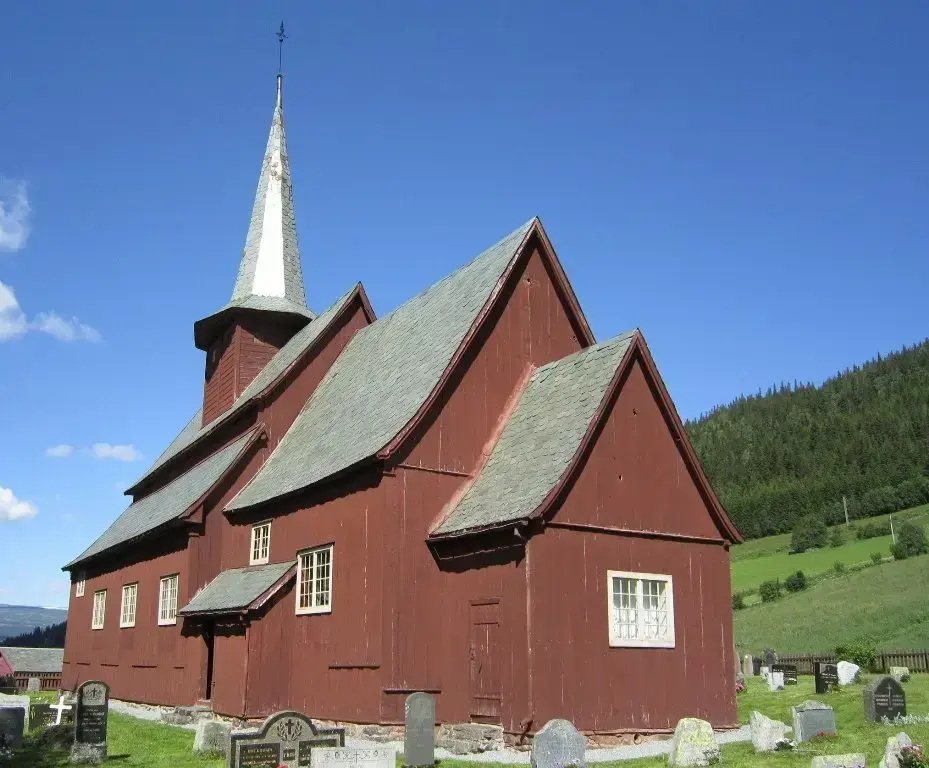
14	215
12	508
118	452
59	451
13	322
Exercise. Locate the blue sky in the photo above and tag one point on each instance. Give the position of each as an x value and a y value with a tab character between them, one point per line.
746	182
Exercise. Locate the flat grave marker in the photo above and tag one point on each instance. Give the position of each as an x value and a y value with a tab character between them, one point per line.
285	740
12	727
354	757
826	676
812	718
90	722
419	741
884	697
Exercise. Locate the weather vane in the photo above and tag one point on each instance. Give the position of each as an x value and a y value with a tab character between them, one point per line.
280	51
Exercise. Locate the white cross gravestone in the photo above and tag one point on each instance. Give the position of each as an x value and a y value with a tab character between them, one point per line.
61	708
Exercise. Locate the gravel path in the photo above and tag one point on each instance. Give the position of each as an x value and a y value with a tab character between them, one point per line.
511	756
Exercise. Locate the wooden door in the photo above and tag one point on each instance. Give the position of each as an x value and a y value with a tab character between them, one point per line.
486	683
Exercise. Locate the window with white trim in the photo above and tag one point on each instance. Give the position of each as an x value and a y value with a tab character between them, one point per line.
79	582
127	607
167	600
641	610
261	543
96	621
314	580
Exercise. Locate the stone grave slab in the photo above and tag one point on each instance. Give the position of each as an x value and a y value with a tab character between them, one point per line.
558	745
90	723
748	666
848	672
285	740
812	718
789	671
895	745
767	733
855	760
826	676
12	727
693	743
23	702
899	673
41	715
770	658
33	685
211	737
354	757
419	741
884	698
756	667
775	681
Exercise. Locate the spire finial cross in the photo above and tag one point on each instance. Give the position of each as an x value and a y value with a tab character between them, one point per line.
280	50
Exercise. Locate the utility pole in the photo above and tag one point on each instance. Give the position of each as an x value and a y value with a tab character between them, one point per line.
845	507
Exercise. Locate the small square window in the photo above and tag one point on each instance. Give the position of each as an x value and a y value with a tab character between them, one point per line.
314	580
641	610
127	608
79	583
167	601
96	621
261	544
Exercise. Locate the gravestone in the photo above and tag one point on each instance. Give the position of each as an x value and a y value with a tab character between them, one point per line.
826	676
893	749
770	658
812	718
848	672
789	671
211	737
285	740
354	757
41	715
884	697
558	745
419	718
12	727
899	673
756	667
767	734
856	760
90	721
748	666
775	681
693	743
22	702
33	685
64	713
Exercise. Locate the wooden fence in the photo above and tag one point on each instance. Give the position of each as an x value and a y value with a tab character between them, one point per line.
917	661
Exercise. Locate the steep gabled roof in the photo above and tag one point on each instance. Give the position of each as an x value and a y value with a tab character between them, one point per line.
383	377
282	362
168	503
539	440
40	660
235	590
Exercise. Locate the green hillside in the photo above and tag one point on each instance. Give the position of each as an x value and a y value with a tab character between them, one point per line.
18	619
796	449
884	604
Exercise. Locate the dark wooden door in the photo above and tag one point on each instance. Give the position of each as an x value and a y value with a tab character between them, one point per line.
209	638
486	683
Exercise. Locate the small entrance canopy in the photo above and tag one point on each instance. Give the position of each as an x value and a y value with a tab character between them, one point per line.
240	590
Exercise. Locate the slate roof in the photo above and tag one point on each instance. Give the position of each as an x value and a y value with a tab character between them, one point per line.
381	379
37	660
234	590
286	357
540	439
167	503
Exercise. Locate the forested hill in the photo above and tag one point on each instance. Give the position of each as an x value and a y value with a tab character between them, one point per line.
797	449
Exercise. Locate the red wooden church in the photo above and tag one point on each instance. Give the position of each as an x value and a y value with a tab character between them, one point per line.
469	496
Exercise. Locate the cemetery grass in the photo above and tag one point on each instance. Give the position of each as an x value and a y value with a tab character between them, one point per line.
769	558
884	605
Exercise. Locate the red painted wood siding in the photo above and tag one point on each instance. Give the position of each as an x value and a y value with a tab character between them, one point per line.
5	669
219	381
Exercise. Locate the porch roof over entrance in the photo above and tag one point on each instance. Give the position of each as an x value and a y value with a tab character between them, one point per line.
240	589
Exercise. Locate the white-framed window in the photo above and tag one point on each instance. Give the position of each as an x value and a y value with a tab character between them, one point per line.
641	610
261	543
127	607
79	582
167	600
314	580
96	621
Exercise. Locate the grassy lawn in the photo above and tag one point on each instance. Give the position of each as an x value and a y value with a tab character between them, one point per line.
763	559
144	744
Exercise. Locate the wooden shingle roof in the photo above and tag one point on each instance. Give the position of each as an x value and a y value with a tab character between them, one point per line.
38	660
233	591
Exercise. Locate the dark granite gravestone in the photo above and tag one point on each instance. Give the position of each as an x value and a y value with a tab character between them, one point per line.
558	745
285	740
826	676
770	658
884	697
41	715
90	721
756	666
419	741
12	727
788	670
812	718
